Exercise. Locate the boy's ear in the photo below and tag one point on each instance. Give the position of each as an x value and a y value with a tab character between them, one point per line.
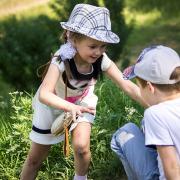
150	87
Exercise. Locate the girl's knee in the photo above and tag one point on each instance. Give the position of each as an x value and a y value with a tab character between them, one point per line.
81	148
33	162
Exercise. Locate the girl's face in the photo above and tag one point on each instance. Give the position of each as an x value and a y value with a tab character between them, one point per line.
89	50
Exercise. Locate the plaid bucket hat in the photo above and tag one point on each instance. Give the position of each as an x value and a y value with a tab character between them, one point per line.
91	21
154	64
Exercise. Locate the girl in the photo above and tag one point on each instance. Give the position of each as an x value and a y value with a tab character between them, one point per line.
78	63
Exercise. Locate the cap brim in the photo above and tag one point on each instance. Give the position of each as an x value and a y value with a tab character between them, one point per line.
128	73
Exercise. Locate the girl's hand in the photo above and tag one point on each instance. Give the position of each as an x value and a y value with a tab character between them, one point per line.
77	110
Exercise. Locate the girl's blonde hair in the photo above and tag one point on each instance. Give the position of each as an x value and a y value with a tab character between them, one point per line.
165	87
72	36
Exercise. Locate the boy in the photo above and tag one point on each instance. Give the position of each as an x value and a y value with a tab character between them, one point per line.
155	152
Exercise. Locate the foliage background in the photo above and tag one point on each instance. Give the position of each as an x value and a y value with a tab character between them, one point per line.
29	33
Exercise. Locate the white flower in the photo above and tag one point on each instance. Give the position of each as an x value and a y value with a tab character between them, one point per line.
67	51
130	110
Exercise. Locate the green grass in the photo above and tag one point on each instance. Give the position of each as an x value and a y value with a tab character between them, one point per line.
15	120
16	7
4	4
15	127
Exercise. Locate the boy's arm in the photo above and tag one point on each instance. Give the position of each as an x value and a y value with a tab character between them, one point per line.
170	162
127	86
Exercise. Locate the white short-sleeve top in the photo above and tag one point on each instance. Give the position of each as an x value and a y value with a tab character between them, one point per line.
78	84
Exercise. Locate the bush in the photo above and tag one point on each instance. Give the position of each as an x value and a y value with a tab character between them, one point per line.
166	7
25	45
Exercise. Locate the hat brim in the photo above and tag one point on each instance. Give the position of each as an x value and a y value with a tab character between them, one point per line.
128	73
100	35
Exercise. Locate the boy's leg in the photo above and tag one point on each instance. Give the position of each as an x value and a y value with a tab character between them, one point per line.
36	156
81	146
139	161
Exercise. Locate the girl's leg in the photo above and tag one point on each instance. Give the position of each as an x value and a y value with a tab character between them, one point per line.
139	161
81	146
36	156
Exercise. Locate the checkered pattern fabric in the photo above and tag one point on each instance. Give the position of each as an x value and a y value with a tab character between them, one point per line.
91	21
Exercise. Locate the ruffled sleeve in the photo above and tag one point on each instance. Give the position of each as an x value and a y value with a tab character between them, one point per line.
106	62
56	62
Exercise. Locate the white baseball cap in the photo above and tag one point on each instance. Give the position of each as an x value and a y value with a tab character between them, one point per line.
155	64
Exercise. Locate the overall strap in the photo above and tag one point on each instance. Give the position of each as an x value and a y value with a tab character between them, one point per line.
66	128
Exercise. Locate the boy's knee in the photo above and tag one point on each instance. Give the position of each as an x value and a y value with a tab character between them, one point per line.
122	135
129	127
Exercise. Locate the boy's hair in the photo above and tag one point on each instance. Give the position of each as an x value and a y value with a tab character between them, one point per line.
165	87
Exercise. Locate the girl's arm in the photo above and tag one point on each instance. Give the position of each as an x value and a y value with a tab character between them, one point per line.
127	86
170	163
47	94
